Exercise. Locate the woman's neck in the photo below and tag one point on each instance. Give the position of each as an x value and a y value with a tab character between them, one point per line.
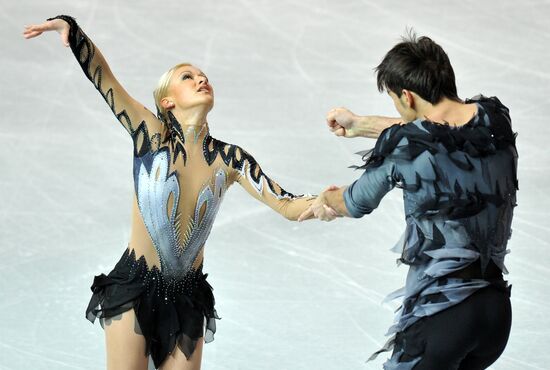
188	131
195	116
195	134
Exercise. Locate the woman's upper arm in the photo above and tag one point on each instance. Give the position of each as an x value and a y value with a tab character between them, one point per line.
134	116
249	174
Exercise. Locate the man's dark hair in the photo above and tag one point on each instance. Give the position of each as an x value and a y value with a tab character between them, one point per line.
419	65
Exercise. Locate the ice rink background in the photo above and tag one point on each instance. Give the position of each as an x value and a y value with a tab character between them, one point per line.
291	296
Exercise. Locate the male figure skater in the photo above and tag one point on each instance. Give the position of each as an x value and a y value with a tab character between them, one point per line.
456	164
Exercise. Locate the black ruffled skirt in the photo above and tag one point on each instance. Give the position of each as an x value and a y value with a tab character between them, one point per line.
168	311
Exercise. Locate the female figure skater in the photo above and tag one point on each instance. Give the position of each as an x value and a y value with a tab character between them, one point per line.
157	301
456	163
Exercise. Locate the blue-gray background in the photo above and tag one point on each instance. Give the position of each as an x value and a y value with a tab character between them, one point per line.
291	296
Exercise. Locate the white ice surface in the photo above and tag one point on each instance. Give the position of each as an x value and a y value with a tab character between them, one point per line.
291	296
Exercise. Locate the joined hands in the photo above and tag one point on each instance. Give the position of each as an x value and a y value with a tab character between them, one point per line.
319	209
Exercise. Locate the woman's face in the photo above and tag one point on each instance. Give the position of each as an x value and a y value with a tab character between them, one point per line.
189	88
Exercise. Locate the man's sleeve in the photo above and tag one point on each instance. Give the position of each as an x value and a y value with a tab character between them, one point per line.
364	195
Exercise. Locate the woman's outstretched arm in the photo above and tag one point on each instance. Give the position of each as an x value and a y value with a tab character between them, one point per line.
140	123
248	173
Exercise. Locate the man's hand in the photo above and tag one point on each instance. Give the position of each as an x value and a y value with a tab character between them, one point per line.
319	209
342	122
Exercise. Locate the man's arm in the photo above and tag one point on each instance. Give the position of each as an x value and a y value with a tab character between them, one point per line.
343	122
358	199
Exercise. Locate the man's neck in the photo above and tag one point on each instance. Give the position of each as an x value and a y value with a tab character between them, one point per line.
453	112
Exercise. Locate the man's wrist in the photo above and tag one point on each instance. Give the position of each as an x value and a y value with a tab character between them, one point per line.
364	126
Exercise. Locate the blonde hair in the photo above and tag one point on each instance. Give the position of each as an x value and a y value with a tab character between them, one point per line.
162	90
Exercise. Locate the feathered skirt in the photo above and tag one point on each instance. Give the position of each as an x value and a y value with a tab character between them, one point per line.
168	311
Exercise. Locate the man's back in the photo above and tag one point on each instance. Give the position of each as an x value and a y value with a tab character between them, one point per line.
459	188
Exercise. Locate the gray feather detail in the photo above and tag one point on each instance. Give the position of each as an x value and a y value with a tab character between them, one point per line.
154	189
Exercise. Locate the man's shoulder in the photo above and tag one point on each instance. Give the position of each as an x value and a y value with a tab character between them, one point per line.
392	143
482	99
492	105
400	135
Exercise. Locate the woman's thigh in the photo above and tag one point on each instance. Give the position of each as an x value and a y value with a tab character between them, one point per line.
178	361
124	342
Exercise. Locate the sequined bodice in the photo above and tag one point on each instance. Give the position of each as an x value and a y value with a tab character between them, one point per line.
179	188
178	240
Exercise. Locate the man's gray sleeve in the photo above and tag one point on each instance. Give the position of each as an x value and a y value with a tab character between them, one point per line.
364	195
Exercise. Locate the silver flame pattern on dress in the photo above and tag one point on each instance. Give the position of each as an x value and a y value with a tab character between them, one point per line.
259	186
245	171
199	228
154	189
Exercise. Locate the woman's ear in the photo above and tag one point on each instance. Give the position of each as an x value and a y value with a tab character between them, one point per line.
166	103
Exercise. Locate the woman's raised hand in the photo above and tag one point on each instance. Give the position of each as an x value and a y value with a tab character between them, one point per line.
58	25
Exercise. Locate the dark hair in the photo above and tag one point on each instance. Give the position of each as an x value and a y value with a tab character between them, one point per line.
419	65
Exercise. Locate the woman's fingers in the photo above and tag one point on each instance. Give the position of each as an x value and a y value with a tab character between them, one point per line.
58	25
329	213
31	34
40	27
33	31
306	214
323	213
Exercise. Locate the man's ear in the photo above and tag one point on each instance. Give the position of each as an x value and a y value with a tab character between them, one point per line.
407	98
